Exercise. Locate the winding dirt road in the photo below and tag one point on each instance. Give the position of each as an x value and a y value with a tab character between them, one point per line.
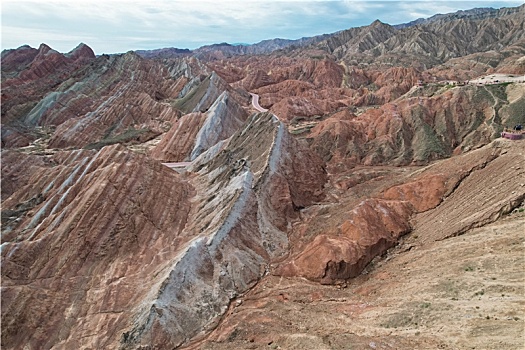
255	103
180	166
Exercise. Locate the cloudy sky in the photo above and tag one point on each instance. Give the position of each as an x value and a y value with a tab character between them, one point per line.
111	26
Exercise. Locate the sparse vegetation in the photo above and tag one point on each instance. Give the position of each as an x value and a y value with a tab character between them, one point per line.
431	146
515	113
126	137
188	102
498	90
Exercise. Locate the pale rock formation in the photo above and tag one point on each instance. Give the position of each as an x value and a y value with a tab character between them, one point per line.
246	194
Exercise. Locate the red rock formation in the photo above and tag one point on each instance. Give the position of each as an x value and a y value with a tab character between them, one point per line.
196	133
423	194
431	203
176	145
17	168
371	228
16	59
28	79
114	99
337	139
109	221
317	86
238	226
130	90
116	219
81	52
411	130
46	62
276	78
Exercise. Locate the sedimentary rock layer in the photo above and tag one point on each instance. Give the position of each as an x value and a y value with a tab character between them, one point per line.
101	223
247	191
76	263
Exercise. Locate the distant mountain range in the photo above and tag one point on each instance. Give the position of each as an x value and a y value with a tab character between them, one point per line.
328	42
472	14
263	47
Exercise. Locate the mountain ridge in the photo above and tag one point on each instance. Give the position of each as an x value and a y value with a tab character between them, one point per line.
269	45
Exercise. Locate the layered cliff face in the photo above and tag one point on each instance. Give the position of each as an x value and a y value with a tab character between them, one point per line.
28	75
421	126
196	132
247	190
73	266
115	219
115	99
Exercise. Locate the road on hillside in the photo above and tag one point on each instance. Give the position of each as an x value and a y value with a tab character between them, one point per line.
255	103
180	166
498	78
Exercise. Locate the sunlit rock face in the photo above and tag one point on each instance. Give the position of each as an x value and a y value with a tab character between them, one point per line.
113	219
196	132
81	239
371	228
248	188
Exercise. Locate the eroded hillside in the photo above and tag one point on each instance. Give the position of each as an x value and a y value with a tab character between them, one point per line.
374	205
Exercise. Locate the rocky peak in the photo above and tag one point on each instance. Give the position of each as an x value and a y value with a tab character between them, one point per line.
82	51
44	48
196	132
378	24
223	119
16	59
45	51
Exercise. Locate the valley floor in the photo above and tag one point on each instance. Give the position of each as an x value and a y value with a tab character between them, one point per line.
463	292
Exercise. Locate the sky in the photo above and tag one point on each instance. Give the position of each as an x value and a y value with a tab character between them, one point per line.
114	26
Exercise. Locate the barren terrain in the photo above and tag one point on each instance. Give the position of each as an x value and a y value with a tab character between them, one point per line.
442	287
345	191
464	292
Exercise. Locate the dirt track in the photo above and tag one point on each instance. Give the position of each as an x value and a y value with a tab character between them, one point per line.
498	78
255	103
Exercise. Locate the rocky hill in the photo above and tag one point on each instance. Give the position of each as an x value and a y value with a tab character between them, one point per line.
225	50
207	239
374	205
473	14
433	41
